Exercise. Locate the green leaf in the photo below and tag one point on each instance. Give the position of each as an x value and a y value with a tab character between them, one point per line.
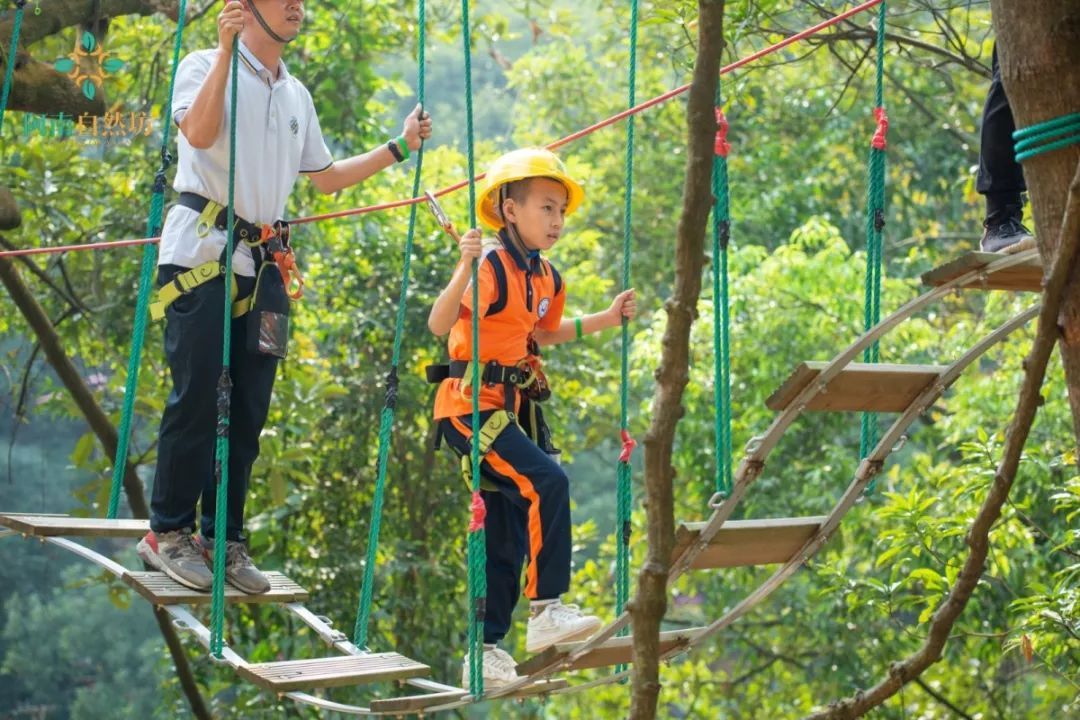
82	450
113	65
88	41
65	65
88	89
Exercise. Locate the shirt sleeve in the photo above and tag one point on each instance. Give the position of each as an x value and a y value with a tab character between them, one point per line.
189	78
316	156
553	317
488	289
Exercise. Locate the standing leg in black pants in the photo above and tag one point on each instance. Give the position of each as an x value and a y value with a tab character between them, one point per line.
1000	178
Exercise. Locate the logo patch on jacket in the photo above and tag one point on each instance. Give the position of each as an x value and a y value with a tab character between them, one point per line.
543	307
294	125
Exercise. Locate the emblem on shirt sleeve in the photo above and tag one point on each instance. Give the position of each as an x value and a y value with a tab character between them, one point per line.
543	307
294	125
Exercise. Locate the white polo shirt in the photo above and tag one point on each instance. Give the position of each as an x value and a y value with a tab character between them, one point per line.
277	138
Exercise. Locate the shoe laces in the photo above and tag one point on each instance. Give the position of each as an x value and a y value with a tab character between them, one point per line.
501	660
181	545
560	611
236	555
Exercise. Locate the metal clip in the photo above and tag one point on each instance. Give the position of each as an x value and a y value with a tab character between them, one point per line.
900	444
753	444
717	500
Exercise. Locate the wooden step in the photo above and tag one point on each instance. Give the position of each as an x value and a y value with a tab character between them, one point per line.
743	543
878	387
60	525
616	651
281	677
1027	276
160	589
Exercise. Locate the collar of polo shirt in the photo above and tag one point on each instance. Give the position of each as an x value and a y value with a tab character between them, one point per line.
255	65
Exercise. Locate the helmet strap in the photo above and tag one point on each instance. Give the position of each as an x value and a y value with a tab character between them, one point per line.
258	17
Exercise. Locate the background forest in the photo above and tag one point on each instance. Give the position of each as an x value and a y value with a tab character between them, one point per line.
75	645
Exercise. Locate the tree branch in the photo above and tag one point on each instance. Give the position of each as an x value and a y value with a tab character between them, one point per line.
1027	405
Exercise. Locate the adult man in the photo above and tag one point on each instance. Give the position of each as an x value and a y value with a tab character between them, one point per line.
278	138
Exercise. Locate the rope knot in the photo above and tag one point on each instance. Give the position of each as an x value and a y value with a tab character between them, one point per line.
721	146
882	128
479	512
628	445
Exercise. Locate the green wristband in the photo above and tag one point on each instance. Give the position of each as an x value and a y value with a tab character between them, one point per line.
403	146
577	328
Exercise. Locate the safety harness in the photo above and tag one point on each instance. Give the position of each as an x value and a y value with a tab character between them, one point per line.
266	243
526	376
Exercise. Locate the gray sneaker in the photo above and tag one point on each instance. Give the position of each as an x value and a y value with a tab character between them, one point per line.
240	572
178	555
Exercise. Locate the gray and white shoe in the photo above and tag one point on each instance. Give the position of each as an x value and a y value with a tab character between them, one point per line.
240	572
1004	232
177	554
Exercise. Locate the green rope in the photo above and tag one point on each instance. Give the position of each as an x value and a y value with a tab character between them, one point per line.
9	63
224	388
1033	140
623	481
875	222
146	281
477	552
721	313
386	420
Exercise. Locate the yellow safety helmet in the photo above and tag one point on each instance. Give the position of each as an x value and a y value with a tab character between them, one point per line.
519	165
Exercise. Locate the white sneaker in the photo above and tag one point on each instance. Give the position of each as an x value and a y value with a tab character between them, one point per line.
499	670
559	623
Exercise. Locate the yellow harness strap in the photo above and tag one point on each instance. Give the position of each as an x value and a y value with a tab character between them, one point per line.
489	431
185	282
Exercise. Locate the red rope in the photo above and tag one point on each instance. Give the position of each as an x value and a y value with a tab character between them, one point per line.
479	513
628	445
721	146
551	146
882	128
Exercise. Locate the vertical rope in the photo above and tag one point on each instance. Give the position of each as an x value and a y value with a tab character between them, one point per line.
146	280
721	315
622	473
386	420
9	63
477	552
224	389
875	223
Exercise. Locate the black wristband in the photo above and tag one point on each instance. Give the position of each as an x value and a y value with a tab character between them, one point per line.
395	151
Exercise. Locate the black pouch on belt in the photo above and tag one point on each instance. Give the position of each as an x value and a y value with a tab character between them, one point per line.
268	318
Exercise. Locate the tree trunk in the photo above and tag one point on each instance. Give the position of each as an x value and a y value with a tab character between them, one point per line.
99	422
650	604
1039	50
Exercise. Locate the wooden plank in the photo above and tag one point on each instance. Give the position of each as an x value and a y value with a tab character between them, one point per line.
616	651
160	589
339	671
416	703
1026	276
744	543
60	525
878	387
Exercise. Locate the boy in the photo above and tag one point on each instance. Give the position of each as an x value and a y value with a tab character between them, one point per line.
525	197
278	138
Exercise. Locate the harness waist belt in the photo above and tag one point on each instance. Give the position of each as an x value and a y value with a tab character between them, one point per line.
246	231
492	374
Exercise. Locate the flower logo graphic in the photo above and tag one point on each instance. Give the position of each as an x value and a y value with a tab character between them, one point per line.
73	65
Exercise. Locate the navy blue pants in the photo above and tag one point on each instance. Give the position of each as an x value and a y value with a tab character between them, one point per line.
1000	177
187	435
529	516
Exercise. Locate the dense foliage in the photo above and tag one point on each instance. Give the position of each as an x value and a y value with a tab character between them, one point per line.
801	123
